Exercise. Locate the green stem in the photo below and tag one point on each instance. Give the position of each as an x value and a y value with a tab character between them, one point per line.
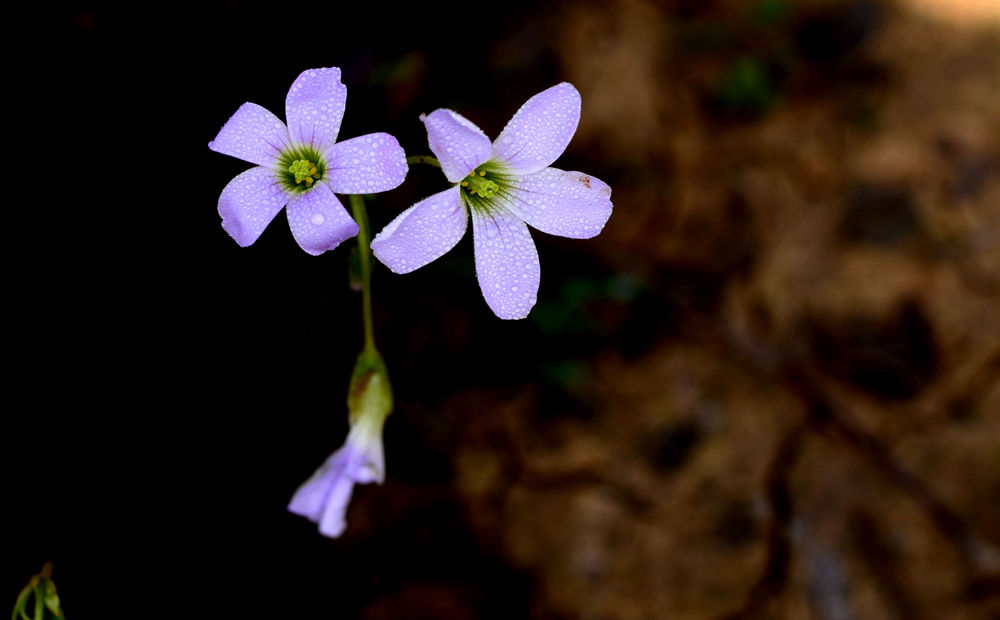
423	159
22	601
364	255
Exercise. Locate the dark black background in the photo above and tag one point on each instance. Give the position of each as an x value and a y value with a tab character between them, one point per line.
169	389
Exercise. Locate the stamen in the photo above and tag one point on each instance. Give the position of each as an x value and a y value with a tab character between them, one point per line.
301	167
477	184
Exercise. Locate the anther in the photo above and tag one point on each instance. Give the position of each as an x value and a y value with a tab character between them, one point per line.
304	170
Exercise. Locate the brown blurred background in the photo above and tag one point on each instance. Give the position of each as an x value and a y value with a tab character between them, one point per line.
809	195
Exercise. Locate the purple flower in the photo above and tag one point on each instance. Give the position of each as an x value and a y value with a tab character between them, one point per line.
323	499
302	165
503	186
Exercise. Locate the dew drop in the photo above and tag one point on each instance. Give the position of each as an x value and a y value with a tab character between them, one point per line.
317	219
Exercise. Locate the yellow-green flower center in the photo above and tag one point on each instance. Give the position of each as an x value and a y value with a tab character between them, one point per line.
299	167
304	171
486	188
476	184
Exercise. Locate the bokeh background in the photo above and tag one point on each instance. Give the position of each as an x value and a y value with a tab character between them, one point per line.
769	389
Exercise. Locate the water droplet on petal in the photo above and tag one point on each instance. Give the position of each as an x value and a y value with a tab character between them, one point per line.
317	219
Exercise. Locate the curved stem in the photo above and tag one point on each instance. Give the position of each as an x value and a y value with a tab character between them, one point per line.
423	159
22	601
364	254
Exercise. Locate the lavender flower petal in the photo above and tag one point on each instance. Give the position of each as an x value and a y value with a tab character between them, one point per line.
334	519
318	221
325	496
314	107
362	462
539	131
506	264
311	498
422	233
366	164
248	204
568	204
252	134
458	144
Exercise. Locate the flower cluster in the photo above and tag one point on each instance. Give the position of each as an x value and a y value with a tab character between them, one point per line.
504	187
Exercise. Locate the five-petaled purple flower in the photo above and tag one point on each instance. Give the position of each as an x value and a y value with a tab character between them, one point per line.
503	186
302	165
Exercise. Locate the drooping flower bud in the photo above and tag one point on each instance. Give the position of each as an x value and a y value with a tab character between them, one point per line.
324	498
